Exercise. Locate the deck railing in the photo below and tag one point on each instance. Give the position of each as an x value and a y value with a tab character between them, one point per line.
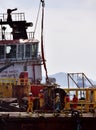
14	81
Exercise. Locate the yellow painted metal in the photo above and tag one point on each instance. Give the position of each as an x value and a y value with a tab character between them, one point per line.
14	81
6	85
5	90
89	101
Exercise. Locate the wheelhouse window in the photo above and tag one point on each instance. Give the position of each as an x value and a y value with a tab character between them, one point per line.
21	51
34	49
27	50
10	51
31	50
2	49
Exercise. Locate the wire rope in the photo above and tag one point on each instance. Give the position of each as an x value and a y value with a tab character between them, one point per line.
37	19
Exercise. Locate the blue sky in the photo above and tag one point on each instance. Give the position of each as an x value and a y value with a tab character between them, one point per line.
69	33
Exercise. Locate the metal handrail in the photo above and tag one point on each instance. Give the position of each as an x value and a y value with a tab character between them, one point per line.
14	81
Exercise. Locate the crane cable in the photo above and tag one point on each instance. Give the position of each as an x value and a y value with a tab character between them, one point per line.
37	19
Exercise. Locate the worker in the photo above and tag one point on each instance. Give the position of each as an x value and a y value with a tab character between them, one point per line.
67	102
41	98
57	102
75	101
30	103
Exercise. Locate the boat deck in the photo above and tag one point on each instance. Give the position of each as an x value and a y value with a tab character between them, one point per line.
45	121
37	114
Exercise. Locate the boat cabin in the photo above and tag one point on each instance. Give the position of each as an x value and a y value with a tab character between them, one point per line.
19	50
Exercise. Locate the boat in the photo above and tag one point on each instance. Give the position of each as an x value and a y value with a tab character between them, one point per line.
21	73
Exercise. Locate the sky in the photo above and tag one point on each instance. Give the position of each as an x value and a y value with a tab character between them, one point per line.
69	33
